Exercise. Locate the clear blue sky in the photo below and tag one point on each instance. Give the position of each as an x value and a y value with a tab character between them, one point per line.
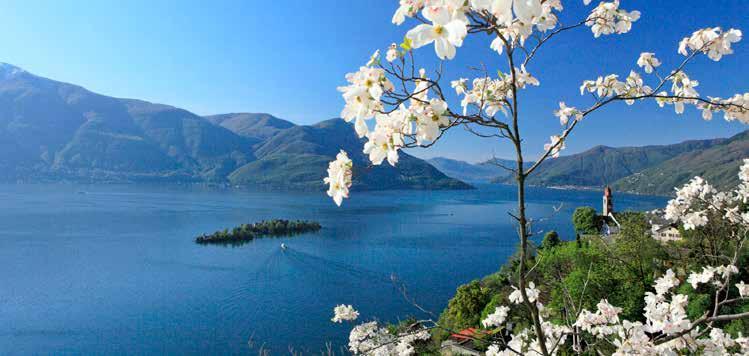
287	58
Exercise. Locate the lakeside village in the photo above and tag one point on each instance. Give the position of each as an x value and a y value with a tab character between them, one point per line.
630	238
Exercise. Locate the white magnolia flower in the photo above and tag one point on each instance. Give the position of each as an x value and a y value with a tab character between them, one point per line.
344	313
339	177
362	95
743	289
497	318
648	62
711	41
459	85
531	292
430	120
501	9
445	31
555	146
565	113
527	10
392	53
697	278
407	8
524	78
387	137
607	18
666	282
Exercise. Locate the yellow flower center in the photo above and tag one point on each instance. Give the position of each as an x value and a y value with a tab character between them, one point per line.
439	29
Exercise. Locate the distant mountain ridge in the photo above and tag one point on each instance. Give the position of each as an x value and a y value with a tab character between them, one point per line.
656	169
718	164
52	131
483	172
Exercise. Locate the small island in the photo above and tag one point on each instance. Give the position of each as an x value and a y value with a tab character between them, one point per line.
248	232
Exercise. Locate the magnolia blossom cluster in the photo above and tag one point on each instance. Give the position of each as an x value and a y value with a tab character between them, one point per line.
497	318
565	113
343	313
492	95
363	94
447	21
633	86
648	62
531	292
527	15
697	200
526	341
607	18
711	274
714	42
665	315
339	177
423	119
371	339
711	41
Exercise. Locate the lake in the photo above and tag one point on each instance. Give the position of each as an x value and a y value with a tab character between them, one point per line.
111	269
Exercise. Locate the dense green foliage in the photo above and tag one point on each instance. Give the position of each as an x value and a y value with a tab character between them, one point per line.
551	240
572	276
248	232
585	219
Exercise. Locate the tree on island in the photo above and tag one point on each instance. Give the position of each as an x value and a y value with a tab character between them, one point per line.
410	110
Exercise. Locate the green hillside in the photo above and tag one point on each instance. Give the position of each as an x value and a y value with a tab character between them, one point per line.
298	157
603	165
719	165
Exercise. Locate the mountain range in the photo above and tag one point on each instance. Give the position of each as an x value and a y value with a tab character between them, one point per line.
55	131
655	170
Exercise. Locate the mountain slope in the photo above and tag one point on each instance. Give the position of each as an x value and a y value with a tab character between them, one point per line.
718	164
257	126
603	165
298	157
58	131
52	131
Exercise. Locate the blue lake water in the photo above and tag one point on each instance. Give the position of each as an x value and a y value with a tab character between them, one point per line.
114	269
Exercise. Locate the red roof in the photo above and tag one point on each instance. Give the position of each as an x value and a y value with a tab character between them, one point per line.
466	334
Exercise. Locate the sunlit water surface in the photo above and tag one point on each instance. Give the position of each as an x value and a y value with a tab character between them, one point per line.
114	269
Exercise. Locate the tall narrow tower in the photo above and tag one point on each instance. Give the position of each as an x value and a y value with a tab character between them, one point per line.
608	201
